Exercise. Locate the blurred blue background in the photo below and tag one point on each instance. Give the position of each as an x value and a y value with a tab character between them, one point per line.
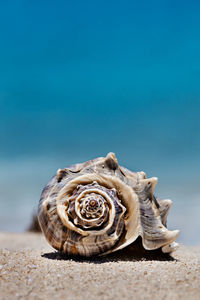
79	79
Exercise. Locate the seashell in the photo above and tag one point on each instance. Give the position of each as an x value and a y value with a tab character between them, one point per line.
98	207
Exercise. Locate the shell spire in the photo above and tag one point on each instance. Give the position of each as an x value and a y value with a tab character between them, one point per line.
97	207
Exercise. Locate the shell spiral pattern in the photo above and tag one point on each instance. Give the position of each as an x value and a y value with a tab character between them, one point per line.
98	207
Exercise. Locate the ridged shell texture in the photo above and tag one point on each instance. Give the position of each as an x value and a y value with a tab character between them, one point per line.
98	207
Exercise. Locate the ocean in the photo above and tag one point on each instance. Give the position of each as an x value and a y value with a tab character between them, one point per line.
81	79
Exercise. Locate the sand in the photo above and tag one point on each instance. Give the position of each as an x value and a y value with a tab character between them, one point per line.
31	269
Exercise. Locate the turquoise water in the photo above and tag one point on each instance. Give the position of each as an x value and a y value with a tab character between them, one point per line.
80	79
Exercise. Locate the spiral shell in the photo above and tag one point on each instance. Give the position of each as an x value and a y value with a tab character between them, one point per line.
98	207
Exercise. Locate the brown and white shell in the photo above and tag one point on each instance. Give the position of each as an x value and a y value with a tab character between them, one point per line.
98	207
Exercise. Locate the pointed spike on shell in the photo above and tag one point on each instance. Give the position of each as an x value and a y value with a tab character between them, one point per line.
111	161
142	175
171	236
111	155
164	208
153	180
165	237
165	203
170	248
60	174
151	183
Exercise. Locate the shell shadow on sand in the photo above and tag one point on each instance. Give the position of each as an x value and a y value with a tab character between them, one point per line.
134	252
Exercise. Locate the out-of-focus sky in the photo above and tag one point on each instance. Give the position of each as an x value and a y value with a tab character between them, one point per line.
81	78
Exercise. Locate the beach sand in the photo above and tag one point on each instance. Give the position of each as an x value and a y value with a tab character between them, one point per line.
31	269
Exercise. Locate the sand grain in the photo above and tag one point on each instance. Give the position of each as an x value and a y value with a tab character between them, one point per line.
30	269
